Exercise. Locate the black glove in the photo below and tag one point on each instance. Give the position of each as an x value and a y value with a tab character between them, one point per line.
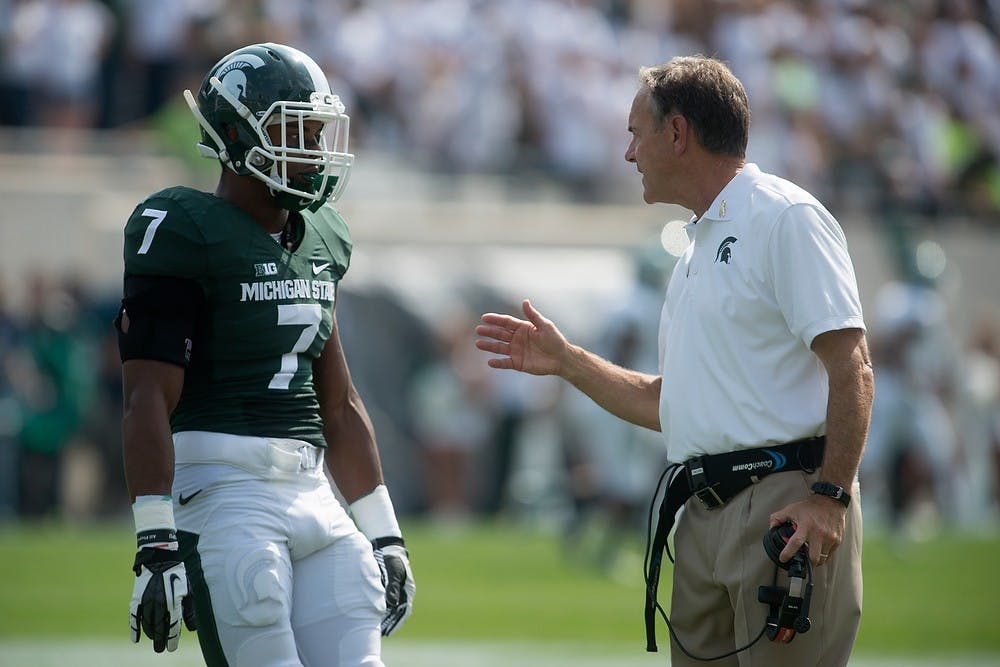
397	578
160	597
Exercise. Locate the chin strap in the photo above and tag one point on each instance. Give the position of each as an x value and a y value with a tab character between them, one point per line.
298	202
218	153
243	110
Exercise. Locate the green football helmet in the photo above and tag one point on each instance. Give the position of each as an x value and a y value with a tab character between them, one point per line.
271	84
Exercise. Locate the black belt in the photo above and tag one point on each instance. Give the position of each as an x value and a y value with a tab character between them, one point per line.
715	480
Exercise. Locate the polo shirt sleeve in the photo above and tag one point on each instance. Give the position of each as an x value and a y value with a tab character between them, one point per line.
814	282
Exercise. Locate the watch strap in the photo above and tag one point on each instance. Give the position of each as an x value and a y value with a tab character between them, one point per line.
831	490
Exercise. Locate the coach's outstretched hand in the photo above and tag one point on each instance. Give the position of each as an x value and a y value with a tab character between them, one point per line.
534	346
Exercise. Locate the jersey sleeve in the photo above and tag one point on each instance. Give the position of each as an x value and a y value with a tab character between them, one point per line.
162	238
336	236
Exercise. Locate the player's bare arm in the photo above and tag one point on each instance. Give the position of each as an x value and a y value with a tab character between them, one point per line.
353	459
820	519
152	389
352	453
538	347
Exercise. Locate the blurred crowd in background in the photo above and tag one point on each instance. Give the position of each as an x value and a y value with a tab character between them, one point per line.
872	104
890	110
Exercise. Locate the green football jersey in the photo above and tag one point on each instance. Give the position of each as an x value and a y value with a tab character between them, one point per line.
269	310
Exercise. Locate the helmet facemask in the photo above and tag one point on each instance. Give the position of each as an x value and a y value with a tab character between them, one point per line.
304	158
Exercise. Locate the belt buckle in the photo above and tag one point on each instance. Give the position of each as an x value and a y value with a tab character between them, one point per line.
709	498
700	487
312	457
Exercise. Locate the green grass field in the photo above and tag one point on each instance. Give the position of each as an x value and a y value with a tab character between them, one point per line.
509	584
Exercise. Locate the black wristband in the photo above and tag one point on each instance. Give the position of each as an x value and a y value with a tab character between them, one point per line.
380	542
157	536
152	557
832	491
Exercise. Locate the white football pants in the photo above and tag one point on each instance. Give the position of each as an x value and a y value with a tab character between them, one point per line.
290	581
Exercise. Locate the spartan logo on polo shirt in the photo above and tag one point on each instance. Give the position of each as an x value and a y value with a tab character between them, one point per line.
725	251
775	461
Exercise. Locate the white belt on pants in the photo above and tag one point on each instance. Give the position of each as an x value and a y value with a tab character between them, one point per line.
253	454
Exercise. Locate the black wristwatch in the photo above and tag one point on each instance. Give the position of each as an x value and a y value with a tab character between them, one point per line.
832	491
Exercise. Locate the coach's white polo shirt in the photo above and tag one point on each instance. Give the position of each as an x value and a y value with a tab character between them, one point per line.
767	271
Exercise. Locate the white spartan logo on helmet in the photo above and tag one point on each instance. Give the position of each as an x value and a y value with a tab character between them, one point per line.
232	76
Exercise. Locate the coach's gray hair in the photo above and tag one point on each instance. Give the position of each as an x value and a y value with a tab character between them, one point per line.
705	92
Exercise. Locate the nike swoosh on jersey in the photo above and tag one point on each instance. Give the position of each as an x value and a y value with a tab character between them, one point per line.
319	268
184	500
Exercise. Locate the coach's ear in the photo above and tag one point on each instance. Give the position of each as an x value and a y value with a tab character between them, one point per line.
679	133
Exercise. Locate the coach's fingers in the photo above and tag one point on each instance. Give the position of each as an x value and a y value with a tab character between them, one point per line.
493	346
822	546
819	556
494	332
799	537
496	347
501	362
795	542
502	321
533	315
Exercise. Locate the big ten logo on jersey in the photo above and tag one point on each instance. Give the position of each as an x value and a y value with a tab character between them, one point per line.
265	269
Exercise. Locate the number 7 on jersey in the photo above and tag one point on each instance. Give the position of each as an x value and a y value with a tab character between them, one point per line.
147	239
309	314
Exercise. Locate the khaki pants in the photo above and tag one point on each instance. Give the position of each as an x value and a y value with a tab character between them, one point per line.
720	564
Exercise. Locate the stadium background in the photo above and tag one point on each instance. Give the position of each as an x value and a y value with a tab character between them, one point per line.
489	140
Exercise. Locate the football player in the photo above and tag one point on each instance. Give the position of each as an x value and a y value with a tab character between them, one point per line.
237	391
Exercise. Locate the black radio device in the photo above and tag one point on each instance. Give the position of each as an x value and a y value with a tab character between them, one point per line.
789	607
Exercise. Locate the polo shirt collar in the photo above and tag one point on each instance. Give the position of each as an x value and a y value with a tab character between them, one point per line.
732	197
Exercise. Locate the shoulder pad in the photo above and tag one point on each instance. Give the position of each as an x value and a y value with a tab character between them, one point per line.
164	235
335	234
